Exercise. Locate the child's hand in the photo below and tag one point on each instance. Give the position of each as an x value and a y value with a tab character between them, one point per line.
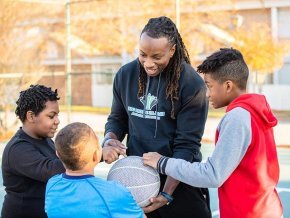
151	159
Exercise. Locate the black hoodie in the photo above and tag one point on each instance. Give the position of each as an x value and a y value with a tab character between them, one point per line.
178	138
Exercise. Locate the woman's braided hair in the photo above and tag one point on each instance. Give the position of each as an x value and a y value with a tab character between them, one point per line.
164	27
34	99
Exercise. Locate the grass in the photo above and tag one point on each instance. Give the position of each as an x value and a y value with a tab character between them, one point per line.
212	113
215	113
87	109
282	115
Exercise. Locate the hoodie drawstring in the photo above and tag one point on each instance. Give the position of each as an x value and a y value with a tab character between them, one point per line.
146	93
145	102
156	111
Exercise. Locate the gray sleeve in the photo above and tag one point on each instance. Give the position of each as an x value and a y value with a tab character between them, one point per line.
234	139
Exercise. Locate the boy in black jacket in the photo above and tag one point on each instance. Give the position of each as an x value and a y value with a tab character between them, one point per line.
160	102
29	158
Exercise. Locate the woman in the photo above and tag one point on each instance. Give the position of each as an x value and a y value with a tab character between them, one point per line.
160	102
29	158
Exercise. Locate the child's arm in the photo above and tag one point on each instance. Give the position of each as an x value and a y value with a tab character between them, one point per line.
234	139
25	160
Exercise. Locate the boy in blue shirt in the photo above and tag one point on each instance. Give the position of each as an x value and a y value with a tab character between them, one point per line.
77	193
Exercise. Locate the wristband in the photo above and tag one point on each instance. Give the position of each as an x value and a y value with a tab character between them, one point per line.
105	139
168	197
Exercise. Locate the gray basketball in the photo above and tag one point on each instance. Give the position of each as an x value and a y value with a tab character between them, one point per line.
142	181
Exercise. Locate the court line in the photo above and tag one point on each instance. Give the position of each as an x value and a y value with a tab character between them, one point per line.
283	190
215	213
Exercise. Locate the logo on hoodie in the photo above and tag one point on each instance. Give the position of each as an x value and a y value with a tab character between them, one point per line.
151	101
147	112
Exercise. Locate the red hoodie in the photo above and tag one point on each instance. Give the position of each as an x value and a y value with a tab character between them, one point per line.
250	189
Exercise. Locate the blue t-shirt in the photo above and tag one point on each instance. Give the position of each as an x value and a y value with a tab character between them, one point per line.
88	196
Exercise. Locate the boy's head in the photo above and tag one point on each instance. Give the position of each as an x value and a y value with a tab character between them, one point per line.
37	108
78	147
225	74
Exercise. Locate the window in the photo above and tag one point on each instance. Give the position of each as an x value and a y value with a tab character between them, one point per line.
284	23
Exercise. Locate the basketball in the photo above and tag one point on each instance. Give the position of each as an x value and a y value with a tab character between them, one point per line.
142	181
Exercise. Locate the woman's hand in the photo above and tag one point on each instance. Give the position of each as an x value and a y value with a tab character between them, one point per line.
156	203
112	149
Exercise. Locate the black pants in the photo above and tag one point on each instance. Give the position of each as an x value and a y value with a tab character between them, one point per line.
189	202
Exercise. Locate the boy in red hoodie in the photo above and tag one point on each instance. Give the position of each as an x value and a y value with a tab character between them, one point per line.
244	165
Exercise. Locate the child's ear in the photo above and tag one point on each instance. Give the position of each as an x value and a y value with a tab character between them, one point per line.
229	85
96	156
30	116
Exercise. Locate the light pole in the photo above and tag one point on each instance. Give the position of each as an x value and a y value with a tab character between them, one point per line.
68	48
68	61
177	13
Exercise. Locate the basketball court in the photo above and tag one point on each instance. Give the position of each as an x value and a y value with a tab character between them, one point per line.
283	187
98	121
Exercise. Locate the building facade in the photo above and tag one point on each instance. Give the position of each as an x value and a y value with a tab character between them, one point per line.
93	73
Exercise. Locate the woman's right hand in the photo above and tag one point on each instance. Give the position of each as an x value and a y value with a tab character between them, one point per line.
112	149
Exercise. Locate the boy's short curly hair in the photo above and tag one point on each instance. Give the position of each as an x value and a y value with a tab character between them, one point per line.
226	64
34	99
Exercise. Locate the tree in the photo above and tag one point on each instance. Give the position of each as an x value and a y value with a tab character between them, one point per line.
20	49
262	53
113	27
116	24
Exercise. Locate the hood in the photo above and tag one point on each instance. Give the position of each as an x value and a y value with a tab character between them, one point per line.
256	104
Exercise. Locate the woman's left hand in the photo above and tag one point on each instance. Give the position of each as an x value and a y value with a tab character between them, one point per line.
156	203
